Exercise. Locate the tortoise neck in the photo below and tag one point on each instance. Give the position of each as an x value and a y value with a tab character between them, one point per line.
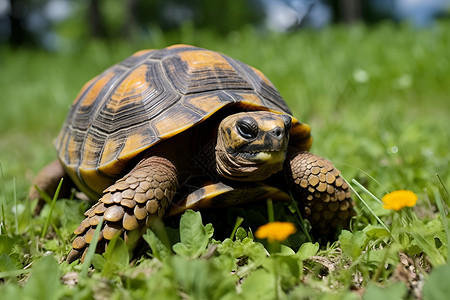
203	149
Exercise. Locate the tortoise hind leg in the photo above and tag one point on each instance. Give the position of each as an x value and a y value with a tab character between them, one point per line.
47	180
129	206
323	195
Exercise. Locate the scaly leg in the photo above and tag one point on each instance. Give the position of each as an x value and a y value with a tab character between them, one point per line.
129	206
323	195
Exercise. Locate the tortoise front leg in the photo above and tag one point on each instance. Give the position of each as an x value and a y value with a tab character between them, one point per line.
323	195
129	206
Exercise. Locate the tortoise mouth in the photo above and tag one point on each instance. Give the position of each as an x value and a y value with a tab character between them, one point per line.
250	165
270	156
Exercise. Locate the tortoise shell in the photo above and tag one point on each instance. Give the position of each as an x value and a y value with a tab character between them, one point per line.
152	96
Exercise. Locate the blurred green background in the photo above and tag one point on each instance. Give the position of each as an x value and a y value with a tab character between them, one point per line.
373	80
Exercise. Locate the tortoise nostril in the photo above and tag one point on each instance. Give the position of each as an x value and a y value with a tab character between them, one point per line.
277	132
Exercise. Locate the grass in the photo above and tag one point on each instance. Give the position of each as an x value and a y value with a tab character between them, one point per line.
377	100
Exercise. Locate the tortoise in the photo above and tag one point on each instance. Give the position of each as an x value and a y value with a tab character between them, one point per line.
187	128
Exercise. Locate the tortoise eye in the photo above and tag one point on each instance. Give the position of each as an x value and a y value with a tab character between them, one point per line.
247	128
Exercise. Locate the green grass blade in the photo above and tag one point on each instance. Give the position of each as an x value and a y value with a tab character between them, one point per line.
91	251
366	191
16	214
440	205
366	205
238	223
3	204
270	214
44	195
368	175
447	198
52	206
301	220
440	200
14	273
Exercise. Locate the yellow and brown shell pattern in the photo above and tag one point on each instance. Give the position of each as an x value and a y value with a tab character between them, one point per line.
151	96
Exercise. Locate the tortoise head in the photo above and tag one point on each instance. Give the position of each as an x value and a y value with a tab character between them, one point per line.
251	146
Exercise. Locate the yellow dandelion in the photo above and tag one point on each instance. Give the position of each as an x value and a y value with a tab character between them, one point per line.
275	231
399	199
